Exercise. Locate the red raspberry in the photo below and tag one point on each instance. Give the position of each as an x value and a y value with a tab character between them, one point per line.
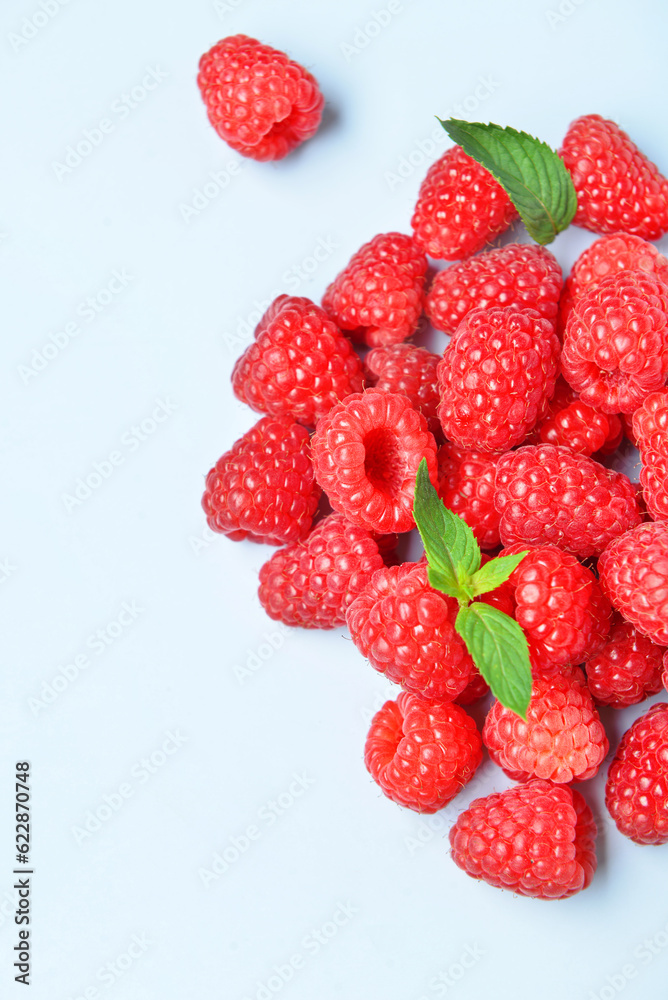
496	376
636	792
536	839
263	488
664	677
521	275
422	753
578	427
378	295
466	487
546	495
559	605
650	424
258	100
626	670
616	341
476	689
406	629
614	436
311	584
618	188
460	208
366	452
563	738
299	364
410	370
633	572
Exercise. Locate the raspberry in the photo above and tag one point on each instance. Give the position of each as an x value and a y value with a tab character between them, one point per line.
406	629
520	275
410	370
559	605
650	424
258	100
476	689
460	208
422	753
578	427
536	839
496	376
633	572
618	188
614	436
626	670
616	341
664	676
562	739
466	487
299	364
263	488
312	584
366	452
378	295
546	495
636	792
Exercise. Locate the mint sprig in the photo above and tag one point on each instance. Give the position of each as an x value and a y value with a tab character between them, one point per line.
531	173
495	641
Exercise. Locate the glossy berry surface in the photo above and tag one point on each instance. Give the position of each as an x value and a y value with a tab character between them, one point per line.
466	487
650	426
636	792
627	669
410	370
633	572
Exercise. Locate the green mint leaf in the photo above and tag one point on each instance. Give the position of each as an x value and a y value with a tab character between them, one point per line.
494	573
499	650
452	551
531	173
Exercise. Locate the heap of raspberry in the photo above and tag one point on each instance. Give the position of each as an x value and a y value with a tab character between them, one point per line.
496	377
633	572
536	839
258	100
460	208
410	370
377	298
263	488
650	424
618	188
466	487
299	364
636	792
627	669
366	453
422	752
521	275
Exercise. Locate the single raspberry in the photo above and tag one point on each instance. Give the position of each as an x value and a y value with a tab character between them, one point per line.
460	208
616	341
422	752
618	188
411	370
559	605
263	488
406	629
521	275
496	376
563	738
578	427
378	295
466	487
650	424
299	364
633	572
312	583
546	495
626	670
258	100
537	839
614	436
636	792
366	452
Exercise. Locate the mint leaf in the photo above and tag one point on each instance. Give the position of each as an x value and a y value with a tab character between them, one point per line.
494	573
499	650
452	551
531	173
